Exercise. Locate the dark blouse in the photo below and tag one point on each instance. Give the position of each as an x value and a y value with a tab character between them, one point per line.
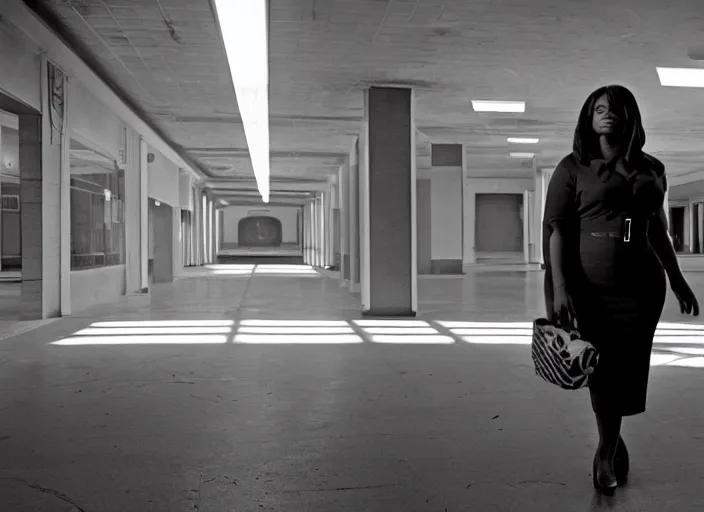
596	207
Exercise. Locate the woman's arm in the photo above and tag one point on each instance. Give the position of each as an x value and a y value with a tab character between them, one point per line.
557	258
662	244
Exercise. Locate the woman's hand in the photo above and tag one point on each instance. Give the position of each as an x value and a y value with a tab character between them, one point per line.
563	311
685	295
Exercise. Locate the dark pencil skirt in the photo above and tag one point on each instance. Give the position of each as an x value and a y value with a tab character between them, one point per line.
618	302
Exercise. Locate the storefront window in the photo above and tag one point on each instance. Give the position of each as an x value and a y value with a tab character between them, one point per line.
97	209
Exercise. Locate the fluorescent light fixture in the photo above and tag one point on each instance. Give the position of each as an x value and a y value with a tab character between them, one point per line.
244	25
681	77
522	140
498	106
520	155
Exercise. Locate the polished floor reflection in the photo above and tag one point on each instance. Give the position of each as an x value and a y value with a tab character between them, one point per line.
246	387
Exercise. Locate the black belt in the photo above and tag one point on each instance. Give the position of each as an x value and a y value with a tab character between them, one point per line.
632	230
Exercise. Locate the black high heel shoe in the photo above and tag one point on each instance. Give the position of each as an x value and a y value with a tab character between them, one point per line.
603	482
622	463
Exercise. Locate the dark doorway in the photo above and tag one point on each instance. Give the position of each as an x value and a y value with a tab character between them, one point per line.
696	242
677	227
259	231
499	226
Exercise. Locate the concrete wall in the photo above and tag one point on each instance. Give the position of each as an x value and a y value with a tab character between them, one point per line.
474	186
163	180
232	215
96	286
446	215
89	119
20	65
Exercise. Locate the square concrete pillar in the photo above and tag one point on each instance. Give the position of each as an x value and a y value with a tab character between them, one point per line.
40	161
447	211
136	215
344	203
387	188
354	214
424	225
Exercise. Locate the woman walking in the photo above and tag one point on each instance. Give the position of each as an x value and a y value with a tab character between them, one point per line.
607	250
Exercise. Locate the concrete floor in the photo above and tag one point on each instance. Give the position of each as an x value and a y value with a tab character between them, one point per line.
317	422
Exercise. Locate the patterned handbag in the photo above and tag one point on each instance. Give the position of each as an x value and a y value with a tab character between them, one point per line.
561	357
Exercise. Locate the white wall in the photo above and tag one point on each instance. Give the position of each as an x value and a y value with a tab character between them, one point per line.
19	65
446	213
286	214
90	119
163	179
474	186
96	286
185	190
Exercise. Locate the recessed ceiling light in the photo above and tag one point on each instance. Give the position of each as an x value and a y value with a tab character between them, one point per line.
681	77
498	106
520	155
522	140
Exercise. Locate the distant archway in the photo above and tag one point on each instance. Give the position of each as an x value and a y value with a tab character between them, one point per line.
259	231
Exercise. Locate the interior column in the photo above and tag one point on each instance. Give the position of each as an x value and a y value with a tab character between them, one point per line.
424	240
388	203
354	215
344	202
446	209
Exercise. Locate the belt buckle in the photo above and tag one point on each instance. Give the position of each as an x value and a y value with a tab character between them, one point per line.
627	235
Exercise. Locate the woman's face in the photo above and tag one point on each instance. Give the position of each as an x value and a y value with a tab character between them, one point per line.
604	121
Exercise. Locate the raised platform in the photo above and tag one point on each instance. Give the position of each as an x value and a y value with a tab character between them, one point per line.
284	250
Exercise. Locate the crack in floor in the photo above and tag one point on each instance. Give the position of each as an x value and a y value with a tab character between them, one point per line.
47	490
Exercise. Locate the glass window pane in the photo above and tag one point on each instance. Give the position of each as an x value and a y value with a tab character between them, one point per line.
97	209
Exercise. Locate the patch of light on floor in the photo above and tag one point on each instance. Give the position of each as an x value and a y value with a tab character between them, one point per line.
693	351
232	272
294	323
492	333
689	362
662	359
223	266
486	325
303	332
165	323
391	323
680	326
160	339
400	330
298	339
299	270
132	331
295	330
152	332
416	332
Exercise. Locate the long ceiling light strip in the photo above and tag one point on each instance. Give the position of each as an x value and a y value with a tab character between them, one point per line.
498	106
522	140
243	24
681	77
